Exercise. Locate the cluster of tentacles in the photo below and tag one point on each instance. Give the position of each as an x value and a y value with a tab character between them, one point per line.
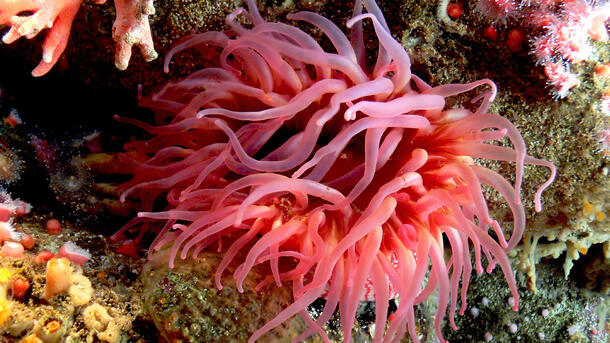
346	179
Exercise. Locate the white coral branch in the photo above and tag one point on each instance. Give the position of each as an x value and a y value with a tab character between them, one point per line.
131	27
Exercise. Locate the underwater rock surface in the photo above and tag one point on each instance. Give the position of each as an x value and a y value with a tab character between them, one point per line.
186	306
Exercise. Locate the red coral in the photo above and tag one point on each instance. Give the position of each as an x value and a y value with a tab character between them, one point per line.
56	15
131	27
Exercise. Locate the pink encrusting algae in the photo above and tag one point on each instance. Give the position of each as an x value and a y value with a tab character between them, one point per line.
335	174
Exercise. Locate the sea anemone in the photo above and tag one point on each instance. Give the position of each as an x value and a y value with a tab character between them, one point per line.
11	165
332	168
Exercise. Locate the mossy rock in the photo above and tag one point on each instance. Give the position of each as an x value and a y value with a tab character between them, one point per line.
186	306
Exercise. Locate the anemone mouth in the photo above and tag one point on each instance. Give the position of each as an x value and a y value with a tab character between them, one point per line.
347	181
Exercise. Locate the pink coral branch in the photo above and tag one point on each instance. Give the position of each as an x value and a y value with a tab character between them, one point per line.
57	16
131	27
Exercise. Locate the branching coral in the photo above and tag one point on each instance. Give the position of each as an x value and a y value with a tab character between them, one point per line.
27	18
57	16
331	171
130	28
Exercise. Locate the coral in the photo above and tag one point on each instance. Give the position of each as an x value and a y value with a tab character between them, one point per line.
573	241
96	317
110	280
570	128
131	27
57	277
102	325
57	16
560	33
80	290
51	328
330	173
62	278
